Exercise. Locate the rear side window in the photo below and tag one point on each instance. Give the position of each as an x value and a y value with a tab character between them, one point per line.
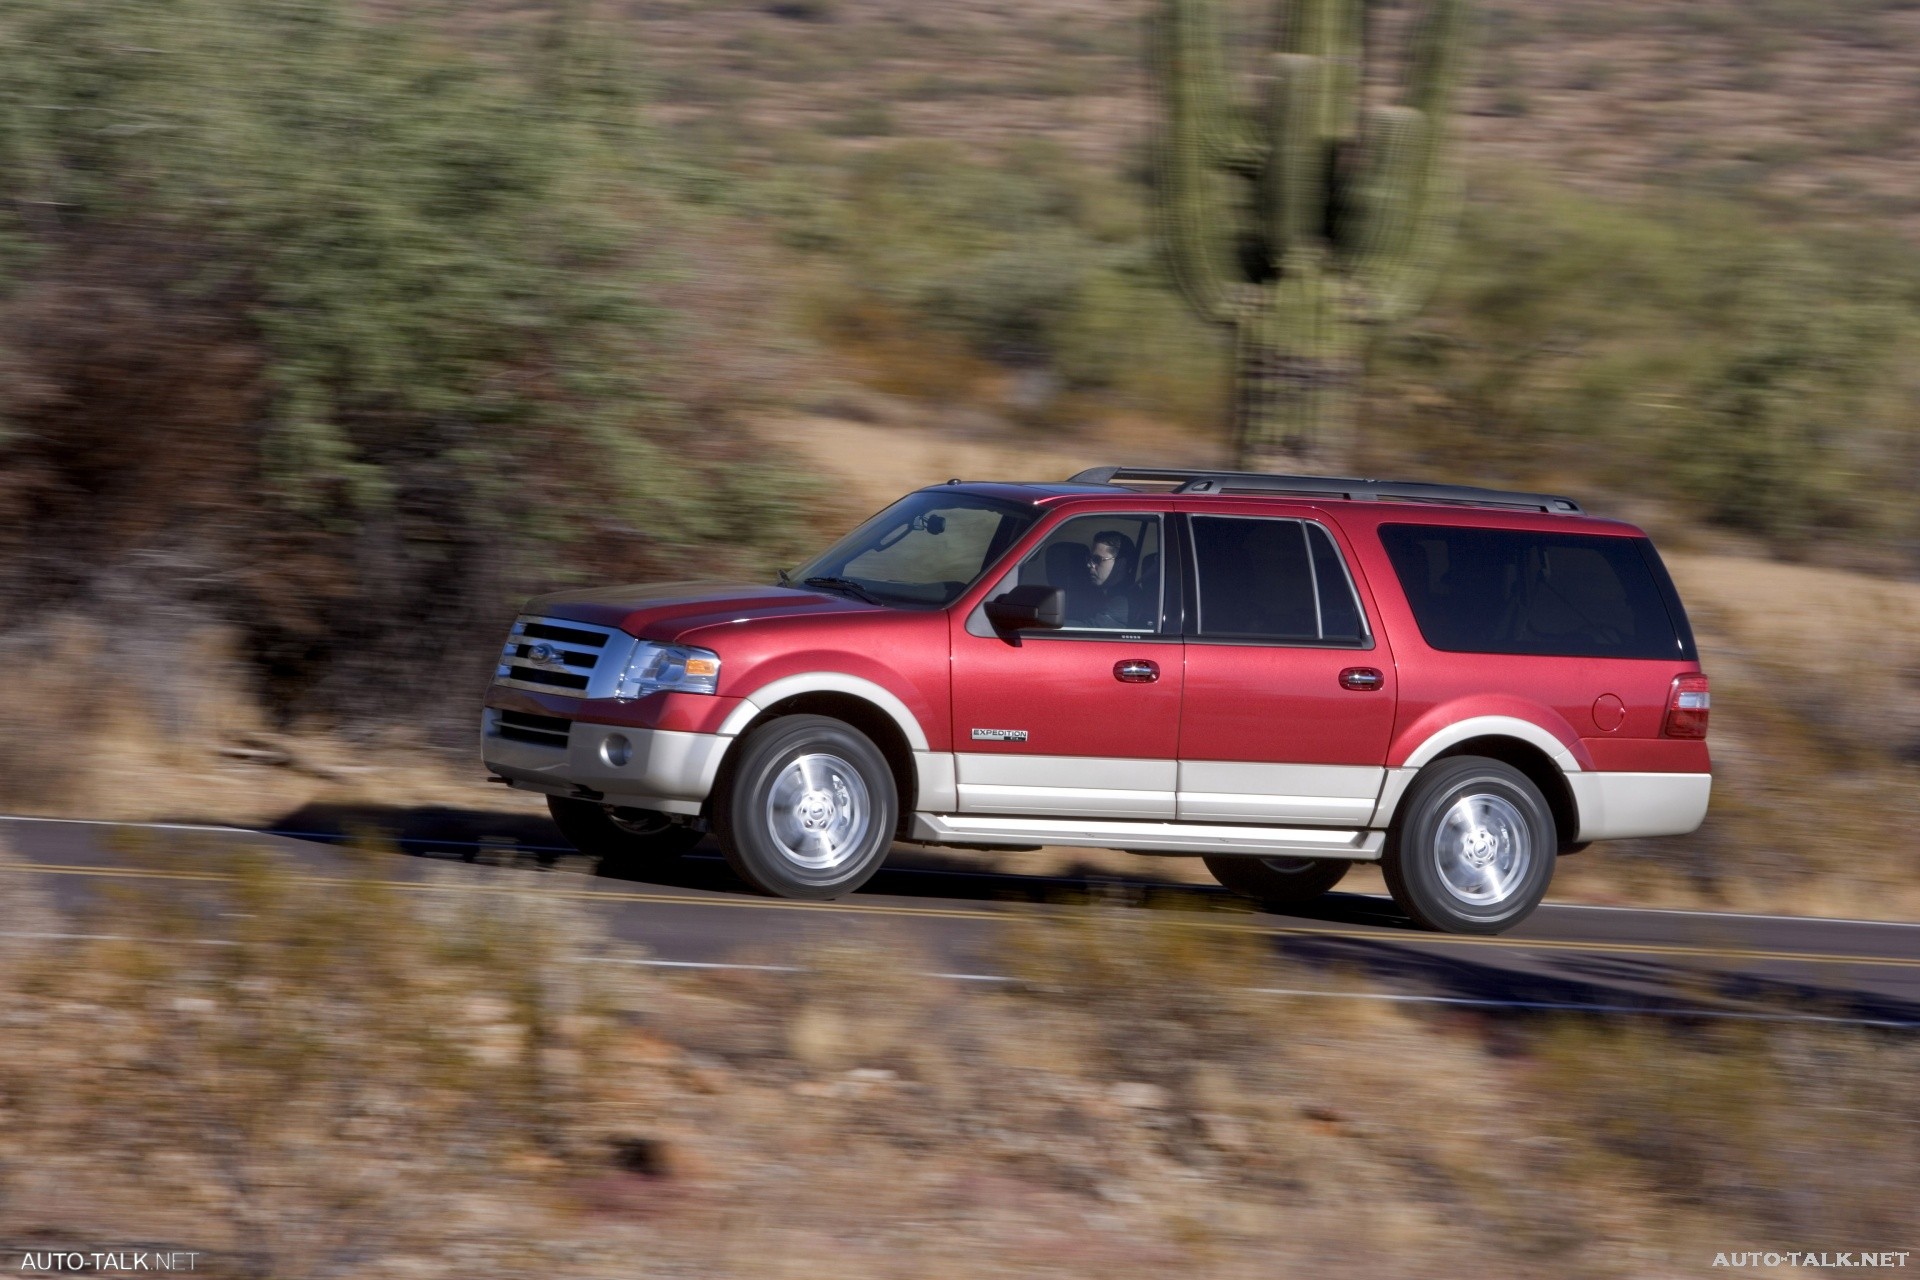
1512	591
1273	580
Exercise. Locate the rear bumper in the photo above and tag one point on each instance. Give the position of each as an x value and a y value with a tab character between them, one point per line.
1615	806
665	769
1612	806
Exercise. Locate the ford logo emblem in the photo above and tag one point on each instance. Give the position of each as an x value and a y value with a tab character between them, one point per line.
542	653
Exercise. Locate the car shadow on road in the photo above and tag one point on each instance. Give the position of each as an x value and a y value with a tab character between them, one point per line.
1516	981
1506	979
911	871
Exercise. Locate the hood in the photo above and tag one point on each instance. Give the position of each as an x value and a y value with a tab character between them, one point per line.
661	611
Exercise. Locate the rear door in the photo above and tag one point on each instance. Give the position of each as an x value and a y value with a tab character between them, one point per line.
1083	721
1289	698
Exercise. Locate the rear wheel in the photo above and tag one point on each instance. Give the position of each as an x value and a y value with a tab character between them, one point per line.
625	841
1277	882
810	809
1472	849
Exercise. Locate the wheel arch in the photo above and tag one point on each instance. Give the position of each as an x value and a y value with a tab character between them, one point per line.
1539	768
876	722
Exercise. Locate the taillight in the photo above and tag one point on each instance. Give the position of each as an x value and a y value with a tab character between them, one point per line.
1687	708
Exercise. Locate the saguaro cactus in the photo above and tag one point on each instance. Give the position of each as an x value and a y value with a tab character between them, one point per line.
1301	214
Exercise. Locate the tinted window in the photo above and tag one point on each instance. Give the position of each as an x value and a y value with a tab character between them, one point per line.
1340	618
1272	580
1509	591
1109	568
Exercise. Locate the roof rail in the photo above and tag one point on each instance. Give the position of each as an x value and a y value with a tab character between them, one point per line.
1182	481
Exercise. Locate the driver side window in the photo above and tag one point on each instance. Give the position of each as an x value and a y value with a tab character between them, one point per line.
1108	567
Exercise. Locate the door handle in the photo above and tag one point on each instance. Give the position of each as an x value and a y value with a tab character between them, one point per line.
1361	678
1136	671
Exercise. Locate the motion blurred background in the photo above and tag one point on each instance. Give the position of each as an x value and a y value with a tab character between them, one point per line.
332	329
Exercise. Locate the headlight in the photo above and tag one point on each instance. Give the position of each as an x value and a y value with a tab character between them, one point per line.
674	668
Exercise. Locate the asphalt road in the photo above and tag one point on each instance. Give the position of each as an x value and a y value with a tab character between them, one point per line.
954	921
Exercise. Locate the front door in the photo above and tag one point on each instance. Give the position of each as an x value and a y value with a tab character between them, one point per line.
1083	721
1289	696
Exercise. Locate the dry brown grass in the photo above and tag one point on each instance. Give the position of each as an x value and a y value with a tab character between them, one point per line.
1841	650
870	464
124	719
133	723
432	1084
1806	101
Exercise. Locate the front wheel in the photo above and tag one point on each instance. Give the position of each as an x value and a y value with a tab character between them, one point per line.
625	844
1472	849
810	809
1277	882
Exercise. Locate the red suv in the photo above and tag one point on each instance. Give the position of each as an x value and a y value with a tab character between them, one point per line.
1283	675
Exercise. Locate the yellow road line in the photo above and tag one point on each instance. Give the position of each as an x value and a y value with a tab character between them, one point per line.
1001	914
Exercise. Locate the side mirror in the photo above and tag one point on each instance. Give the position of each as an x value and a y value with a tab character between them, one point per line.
1028	607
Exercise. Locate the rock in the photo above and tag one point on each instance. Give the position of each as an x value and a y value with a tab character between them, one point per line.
1138	1095
818	1035
1225	1132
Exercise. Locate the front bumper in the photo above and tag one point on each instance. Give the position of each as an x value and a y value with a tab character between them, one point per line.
667	770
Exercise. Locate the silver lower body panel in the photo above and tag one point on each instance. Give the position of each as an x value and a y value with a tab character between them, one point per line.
662	770
1615	806
1150	837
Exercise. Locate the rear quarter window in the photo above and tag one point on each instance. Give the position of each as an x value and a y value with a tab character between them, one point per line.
1516	591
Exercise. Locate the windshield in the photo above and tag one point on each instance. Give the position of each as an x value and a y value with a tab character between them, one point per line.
923	550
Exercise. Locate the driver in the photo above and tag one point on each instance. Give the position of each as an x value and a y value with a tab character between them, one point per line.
1104	598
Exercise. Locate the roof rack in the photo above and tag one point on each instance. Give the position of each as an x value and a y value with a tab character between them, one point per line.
1181	481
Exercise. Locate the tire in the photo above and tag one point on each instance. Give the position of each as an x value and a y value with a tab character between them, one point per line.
1278	883
809	809
1472	849
625	847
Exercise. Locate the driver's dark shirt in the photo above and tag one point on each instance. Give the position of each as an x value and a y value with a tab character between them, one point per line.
1099	606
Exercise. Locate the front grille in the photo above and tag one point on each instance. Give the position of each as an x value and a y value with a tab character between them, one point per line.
554	655
544	731
571	635
559	679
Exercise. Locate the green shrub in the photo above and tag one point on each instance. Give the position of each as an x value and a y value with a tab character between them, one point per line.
1027	258
1686	349
387	292
868	119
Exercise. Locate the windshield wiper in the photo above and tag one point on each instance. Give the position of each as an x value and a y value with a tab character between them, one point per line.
847	585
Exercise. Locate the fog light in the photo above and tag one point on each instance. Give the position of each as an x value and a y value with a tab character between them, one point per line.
616	750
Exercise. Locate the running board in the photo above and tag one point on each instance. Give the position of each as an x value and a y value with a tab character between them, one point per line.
1150	837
